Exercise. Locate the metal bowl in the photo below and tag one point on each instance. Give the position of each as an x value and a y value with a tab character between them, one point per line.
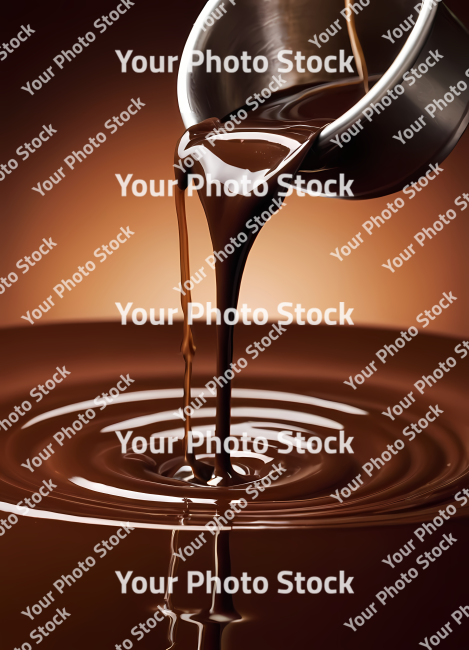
378	162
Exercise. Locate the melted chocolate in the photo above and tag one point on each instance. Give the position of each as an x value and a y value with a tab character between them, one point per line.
307	530
258	153
273	141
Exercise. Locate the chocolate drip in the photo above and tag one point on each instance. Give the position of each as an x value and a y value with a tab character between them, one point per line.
360	61
201	471
260	150
227	216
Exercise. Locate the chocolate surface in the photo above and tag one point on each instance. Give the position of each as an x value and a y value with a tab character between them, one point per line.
308	531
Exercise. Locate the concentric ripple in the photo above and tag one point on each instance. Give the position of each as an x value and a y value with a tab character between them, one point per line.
97	483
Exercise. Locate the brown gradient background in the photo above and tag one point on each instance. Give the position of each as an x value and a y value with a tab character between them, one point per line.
291	259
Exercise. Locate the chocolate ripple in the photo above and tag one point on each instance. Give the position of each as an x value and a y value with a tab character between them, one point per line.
98	484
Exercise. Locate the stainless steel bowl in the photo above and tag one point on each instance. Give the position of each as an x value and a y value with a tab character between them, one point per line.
265	27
